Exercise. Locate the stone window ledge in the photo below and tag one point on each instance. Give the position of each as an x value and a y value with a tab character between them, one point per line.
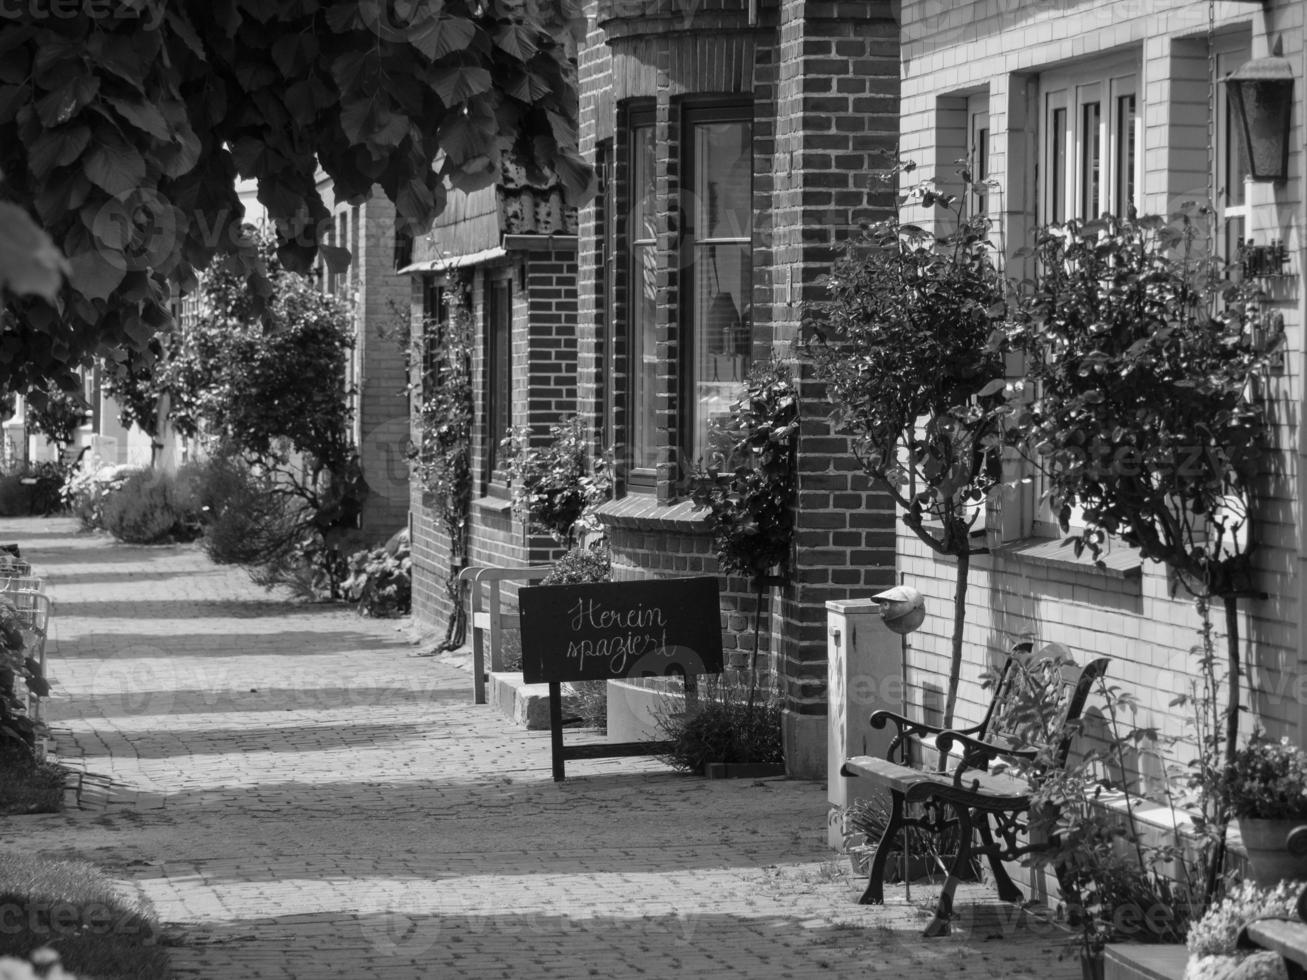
642	511
493	505
1119	563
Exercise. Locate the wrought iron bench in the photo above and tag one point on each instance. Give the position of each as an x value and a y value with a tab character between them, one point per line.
1036	695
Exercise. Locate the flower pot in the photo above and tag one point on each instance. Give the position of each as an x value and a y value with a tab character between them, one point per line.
1269	858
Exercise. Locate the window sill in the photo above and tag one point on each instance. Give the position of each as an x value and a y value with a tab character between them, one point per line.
493	505
642	511
1118	563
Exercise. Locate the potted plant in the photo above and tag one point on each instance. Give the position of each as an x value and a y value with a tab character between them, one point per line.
1265	788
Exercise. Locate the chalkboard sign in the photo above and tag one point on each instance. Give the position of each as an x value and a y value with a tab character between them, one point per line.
620	629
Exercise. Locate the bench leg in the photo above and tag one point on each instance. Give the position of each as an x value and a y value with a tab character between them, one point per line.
875	893
1007	889
939	926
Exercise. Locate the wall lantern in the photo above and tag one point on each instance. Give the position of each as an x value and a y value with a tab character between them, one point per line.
1261	99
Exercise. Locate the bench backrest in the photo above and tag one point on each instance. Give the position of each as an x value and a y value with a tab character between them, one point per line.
1038	697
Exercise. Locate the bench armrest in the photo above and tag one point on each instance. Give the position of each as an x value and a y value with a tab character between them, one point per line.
978	754
908	727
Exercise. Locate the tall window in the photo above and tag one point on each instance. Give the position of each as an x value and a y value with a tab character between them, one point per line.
641	299
1231	167
717	260
1091	158
499	367
434	312
1092	163
978	151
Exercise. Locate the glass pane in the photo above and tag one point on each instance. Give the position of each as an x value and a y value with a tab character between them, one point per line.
644	356
723	180
980	155
1057	178
499	313
1125	153
644	190
1091	161
723	284
1235	168
642	290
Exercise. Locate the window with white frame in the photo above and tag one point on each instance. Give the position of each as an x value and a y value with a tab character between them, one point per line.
1228	157
978	152
1091	163
1091	145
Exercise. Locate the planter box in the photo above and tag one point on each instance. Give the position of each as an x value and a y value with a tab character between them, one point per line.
743	770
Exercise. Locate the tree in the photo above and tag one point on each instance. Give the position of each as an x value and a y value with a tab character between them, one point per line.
124	124
1148	416
906	348
266	382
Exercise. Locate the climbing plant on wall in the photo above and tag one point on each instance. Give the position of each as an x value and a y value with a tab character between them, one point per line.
442	456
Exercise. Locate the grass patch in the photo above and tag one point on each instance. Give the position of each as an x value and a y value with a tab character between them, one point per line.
73	908
30	787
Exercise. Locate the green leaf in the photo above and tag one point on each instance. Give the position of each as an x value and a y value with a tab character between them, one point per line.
145	116
446	35
458	83
115	167
94	276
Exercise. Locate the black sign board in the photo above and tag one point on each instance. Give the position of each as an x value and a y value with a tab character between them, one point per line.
613	630
620	629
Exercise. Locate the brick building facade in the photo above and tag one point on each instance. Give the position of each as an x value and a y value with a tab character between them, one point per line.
733	141
507	255
379	297
1071	107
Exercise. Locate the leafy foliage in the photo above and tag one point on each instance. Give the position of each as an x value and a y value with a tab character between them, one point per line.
911	349
380	580
17	733
555	486
1140	351
1267	780
150	507
906	346
720	725
269	387
748	483
442	457
57	414
123	126
1217	932
580	564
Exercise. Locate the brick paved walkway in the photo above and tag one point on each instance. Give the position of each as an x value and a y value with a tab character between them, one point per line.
299	795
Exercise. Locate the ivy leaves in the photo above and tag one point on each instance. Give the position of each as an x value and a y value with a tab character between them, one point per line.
123	128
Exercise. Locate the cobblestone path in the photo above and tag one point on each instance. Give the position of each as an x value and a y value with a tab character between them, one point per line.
298	794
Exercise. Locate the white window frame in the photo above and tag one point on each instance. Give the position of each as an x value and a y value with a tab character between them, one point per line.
1230	177
1070	91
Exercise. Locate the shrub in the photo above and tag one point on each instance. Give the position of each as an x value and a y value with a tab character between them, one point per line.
87	487
15	496
1217	932
151	507
555	486
721	726
581	564
380	581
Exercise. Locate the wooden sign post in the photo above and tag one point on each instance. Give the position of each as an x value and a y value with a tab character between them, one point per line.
612	631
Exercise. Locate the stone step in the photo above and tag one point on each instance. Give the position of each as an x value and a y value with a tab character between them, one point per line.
1144	961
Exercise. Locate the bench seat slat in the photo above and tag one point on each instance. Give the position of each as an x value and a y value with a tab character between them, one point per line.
979	790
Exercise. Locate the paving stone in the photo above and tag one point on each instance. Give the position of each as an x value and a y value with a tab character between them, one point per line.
299	794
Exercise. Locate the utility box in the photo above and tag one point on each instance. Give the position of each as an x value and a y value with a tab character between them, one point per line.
865	664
